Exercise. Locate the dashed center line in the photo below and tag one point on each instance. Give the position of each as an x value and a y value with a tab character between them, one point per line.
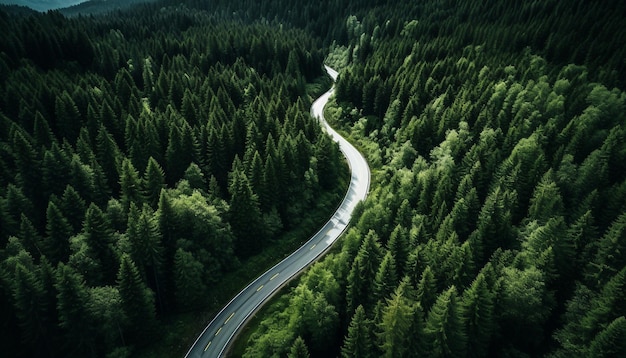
218	331
229	317
275	275
207	346
312	247
259	289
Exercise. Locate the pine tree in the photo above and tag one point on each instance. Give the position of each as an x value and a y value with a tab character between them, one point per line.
195	178
298	349
444	327
610	256
363	273
108	154
56	245
72	307
146	245
358	342
42	132
73	208
153	182
395	324
137	301
386	277
477	303
328	166
99	240
29	236
28	296
611	341
427	289
245	216
130	184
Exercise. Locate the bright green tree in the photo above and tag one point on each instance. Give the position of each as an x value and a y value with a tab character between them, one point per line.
358	342
444	329
394	327
298	349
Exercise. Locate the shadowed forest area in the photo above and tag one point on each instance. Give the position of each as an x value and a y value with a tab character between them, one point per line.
145	154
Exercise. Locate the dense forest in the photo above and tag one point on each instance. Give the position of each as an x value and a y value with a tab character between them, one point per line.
496	225
145	154
142	156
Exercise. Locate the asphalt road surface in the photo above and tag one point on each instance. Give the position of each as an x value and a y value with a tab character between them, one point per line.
219	333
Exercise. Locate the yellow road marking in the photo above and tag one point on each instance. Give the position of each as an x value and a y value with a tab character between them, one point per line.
229	317
273	277
207	346
312	247
259	289
218	331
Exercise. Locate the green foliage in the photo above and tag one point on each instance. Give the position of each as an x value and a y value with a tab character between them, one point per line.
358	342
137	301
444	326
298	349
495	128
395	329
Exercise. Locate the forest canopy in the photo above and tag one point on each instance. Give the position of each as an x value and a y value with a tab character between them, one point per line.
145	154
142	156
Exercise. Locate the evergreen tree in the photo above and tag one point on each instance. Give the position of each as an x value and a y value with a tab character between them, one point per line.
610	342
56	245
444	326
609	258
244	215
386	278
153	182
358	342
108	154
29	295
73	208
427	289
477	304
72	307
398	246
146	248
99	239
363	273
395	324
137	301
189	280
130	184
298	349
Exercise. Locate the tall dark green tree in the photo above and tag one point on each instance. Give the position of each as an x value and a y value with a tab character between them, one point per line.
72	307
137	301
153	182
56	245
477	309
99	240
244	215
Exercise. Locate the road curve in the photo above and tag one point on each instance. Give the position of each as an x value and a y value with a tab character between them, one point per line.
216	337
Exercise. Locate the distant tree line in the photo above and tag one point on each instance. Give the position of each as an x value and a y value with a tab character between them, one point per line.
142	156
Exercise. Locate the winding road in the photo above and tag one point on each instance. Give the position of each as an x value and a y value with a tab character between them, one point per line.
216	337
